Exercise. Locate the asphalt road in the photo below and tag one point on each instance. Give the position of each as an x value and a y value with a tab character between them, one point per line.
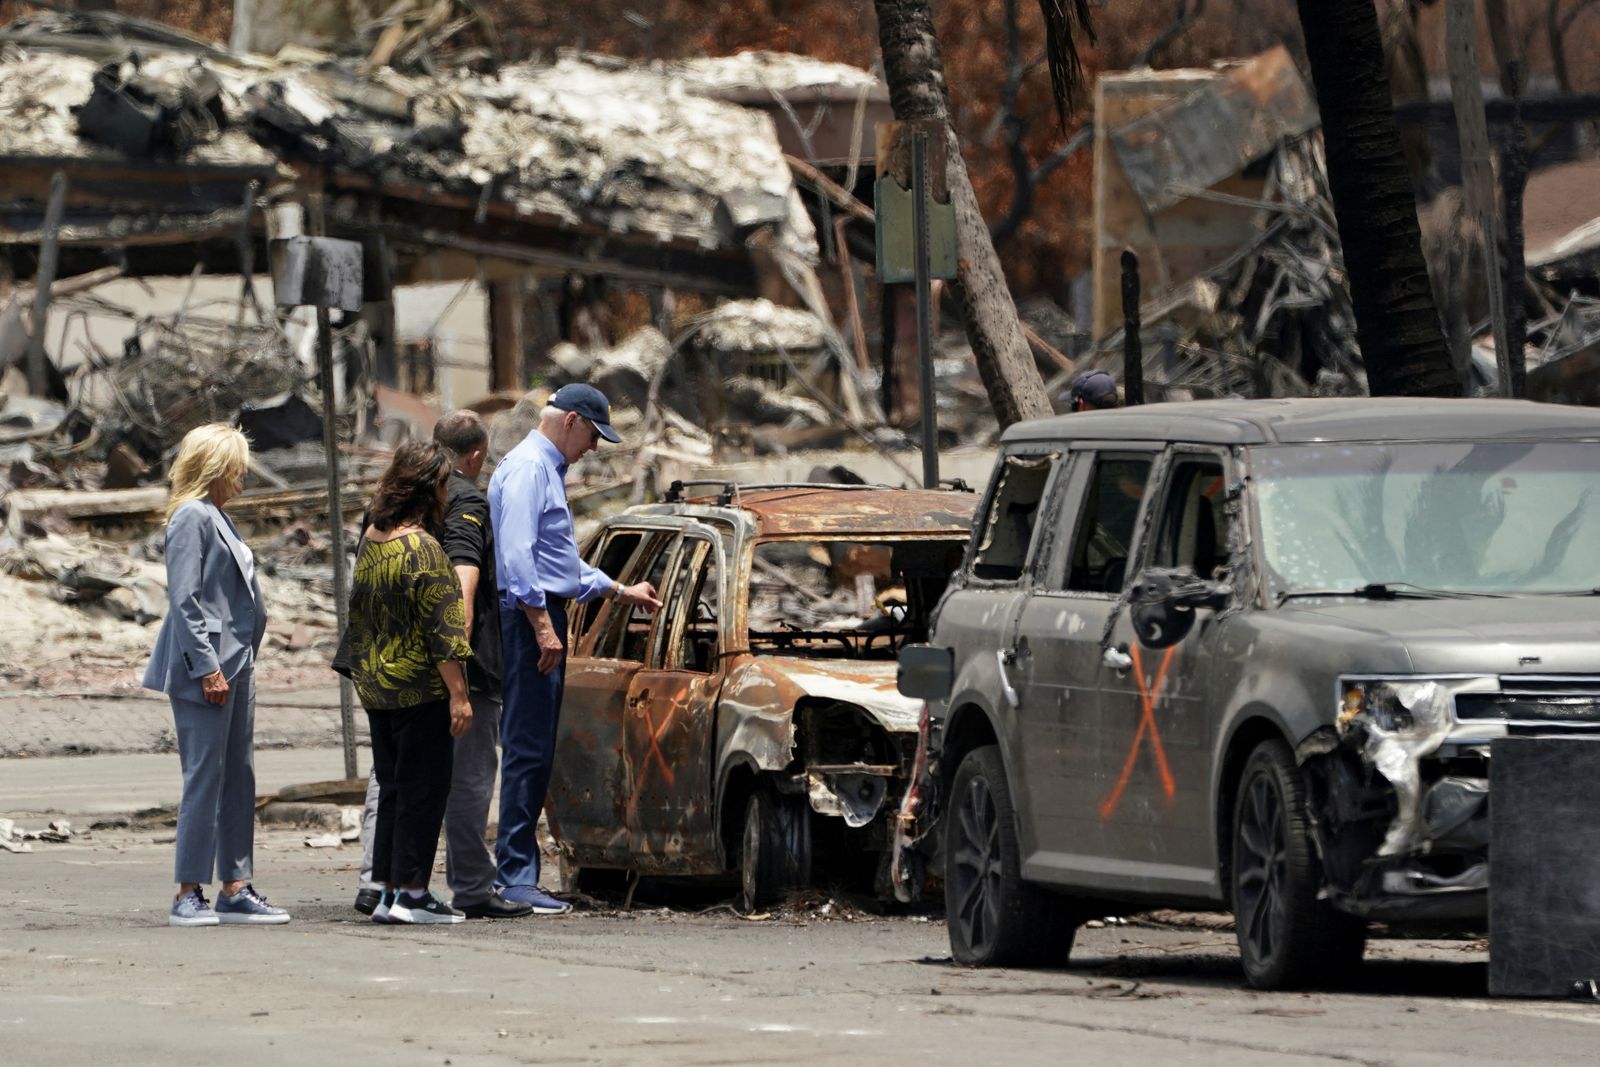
89	972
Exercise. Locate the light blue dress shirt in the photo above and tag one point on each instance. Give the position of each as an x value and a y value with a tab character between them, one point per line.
536	553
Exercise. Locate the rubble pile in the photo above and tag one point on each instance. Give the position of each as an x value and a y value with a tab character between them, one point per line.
585	140
1274	319
178	373
79	611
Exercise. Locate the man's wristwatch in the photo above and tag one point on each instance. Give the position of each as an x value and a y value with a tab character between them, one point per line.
615	590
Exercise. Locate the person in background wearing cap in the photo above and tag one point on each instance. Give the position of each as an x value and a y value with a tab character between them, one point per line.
538	573
1093	390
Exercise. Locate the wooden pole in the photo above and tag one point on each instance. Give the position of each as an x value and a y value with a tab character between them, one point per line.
49	258
1132	343
1477	174
858	332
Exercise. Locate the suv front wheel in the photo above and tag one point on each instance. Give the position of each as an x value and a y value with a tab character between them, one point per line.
1287	937
995	918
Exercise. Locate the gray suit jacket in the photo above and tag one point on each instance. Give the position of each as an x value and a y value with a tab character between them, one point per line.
215	615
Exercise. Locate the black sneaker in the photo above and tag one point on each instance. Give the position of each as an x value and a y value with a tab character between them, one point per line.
367	900
407	909
496	907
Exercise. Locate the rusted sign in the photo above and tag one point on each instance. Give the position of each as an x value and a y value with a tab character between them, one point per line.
1215	131
896	209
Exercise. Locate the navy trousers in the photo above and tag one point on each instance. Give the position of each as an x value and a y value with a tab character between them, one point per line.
532	710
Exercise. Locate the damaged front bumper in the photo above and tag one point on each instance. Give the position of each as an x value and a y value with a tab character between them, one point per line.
1399	791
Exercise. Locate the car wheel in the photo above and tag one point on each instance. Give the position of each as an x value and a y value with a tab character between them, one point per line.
774	849
995	918
1287	936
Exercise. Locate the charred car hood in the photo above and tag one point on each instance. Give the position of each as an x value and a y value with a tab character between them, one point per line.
869	684
1476	635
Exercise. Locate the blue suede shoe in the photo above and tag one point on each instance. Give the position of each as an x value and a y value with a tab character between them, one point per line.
541	902
191	909
249	908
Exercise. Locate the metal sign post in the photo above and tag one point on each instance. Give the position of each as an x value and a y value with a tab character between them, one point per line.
924	284
916	238
326	273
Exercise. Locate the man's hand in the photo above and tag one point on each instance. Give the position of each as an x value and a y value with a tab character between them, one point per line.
549	642
460	716
215	688
640	595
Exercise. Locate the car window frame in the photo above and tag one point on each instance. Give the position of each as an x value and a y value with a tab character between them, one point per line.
672	621
1066	540
1174	457
1062	452
605	623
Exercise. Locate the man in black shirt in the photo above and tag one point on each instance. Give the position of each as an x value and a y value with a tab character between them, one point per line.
468	541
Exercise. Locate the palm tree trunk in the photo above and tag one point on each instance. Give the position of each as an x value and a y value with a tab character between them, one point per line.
1402	342
915	71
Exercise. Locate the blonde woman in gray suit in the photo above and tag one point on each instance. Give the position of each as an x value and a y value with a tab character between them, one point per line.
204	661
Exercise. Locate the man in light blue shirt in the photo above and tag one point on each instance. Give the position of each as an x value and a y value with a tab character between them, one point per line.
538	572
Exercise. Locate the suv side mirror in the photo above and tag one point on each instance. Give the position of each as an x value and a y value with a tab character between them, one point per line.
1164	602
927	672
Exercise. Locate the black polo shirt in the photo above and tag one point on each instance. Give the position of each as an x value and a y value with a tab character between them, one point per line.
469	542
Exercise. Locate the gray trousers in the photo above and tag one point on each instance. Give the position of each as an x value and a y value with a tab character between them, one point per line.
469	865
217	816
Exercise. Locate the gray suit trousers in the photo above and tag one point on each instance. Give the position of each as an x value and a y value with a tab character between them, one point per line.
217	816
468	862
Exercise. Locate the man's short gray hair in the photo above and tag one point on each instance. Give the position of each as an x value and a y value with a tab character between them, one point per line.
462	432
551	413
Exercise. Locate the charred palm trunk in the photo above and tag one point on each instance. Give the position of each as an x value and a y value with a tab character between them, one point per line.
915	71
1397	323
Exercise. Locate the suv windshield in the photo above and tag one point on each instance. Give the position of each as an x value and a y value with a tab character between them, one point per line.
1463	517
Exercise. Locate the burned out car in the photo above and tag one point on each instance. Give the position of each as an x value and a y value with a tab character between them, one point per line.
1252	654
752	725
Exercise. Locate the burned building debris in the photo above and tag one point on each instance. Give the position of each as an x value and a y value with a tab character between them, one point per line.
1216	179
132	152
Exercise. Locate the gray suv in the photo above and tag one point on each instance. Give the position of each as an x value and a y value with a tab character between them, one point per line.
1251	654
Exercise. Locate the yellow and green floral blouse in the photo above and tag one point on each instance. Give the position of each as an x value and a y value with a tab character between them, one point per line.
406	616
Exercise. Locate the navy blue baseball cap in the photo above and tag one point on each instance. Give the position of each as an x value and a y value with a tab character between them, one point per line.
589	402
1095	387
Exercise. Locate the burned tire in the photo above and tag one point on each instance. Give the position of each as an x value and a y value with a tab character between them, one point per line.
1287	937
995	918
774	848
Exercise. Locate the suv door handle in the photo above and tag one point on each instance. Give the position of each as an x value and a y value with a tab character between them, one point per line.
1117	658
1001	658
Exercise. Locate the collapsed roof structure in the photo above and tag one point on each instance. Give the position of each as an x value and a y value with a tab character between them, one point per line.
656	178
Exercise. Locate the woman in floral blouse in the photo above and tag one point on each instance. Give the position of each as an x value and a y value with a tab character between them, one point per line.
404	650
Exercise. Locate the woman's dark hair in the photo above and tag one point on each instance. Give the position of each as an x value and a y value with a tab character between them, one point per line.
408	491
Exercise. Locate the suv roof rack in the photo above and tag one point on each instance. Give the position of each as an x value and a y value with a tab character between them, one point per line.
730	490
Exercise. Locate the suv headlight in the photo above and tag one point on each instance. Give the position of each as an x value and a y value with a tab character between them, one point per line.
1396	722
1411	709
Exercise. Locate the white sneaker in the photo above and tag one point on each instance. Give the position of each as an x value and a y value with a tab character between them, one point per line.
430	909
191	909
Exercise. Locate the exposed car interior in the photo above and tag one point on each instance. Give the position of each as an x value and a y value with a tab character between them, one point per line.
851	599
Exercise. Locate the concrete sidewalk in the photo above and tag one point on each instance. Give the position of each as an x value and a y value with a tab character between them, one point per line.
78	787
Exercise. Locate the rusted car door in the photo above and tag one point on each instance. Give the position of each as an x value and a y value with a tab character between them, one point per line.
671	715
589	783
